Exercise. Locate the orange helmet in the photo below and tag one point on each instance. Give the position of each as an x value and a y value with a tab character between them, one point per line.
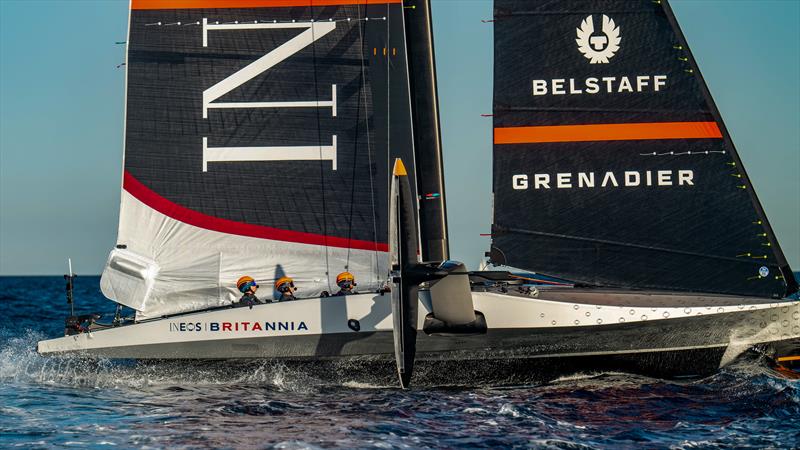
283	283
244	283
345	278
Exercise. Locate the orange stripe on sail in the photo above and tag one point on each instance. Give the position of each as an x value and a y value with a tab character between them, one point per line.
607	132
197	4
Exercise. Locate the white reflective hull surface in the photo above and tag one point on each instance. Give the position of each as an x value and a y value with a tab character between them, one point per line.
556	323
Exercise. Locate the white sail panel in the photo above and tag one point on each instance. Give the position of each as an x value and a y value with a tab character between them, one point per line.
198	268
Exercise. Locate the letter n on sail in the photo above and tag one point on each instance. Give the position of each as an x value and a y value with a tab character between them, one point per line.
312	32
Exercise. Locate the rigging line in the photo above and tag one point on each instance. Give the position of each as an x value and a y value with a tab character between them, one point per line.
369	147
389	114
539	280
321	166
622	244
355	147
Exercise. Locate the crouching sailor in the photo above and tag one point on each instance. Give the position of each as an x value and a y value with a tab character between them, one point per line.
347	283
285	287
248	287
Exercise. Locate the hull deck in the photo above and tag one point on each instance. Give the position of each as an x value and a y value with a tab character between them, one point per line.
653	332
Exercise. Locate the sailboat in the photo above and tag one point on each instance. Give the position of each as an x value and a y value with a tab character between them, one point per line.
300	139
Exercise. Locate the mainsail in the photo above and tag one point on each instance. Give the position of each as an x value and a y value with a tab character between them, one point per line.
257	142
612	165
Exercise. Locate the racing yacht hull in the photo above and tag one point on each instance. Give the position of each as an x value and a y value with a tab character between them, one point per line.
655	332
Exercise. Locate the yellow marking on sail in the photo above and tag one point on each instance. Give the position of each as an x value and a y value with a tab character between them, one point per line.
394	51
789	358
384	51
399	168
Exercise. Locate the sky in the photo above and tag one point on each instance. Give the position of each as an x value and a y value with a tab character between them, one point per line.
61	113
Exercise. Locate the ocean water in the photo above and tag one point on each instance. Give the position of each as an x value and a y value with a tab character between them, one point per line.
73	402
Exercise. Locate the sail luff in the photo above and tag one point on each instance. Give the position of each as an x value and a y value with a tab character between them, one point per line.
124	118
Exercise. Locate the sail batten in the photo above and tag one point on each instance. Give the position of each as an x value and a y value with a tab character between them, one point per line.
742	258
612	165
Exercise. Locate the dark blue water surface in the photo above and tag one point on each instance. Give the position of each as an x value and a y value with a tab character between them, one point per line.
50	402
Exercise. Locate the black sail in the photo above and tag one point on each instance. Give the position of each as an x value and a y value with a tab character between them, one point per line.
258	137
427	134
612	165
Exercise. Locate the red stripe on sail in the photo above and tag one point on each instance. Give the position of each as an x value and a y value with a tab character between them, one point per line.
227	4
191	217
607	132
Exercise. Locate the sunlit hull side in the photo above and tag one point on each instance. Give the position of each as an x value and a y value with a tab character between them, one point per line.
659	330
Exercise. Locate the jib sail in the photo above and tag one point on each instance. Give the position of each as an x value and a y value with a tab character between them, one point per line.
612	165
257	142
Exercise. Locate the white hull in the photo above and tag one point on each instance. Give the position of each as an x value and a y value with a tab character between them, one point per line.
558	323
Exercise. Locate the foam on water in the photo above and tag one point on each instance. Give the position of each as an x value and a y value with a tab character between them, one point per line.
19	362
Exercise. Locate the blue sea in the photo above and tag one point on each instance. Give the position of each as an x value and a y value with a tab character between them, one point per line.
56	403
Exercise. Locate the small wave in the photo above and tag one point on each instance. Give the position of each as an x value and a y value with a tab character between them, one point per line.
577	377
557	443
295	445
362	385
509	410
474	410
20	363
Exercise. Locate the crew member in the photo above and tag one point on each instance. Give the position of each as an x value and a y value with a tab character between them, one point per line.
285	286
347	283
248	287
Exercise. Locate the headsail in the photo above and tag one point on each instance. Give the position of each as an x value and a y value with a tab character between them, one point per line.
257	142
612	165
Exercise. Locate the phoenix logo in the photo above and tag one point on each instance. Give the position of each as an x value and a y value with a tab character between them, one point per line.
599	48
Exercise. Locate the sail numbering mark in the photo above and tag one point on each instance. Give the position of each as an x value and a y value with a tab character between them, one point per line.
313	31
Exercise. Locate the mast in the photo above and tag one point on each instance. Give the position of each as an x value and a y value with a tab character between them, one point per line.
427	134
